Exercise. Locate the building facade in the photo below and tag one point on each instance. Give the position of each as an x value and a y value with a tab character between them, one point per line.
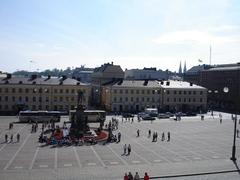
135	96
39	93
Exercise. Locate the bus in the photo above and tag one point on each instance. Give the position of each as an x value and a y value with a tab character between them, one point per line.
93	116
153	112
39	116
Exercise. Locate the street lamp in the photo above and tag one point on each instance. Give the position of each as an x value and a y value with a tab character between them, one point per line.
233	158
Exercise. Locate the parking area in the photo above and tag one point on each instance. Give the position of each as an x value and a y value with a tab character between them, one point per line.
194	144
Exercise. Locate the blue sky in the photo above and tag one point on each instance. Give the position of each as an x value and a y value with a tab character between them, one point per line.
44	34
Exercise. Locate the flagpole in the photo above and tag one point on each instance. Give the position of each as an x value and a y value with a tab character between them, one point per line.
210	55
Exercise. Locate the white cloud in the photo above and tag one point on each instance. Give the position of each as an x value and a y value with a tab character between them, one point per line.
195	36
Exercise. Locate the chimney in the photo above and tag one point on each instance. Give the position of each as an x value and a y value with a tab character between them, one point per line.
33	76
64	77
162	82
191	84
168	83
9	76
49	76
112	62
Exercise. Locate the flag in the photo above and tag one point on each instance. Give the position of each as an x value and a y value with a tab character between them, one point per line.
199	60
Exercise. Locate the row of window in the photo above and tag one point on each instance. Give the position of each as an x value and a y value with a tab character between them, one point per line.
137	91
147	99
35	99
40	107
37	90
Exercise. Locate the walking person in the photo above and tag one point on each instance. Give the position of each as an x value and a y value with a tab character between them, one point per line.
146	177
129	149
163	136
220	118
149	133
136	177
125	149
6	138
119	137
130	176
11	138
18	137
138	133
168	134
156	136
125	177
237	133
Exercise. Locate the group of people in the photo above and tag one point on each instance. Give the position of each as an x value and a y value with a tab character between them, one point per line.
127	149
155	136
129	176
11	138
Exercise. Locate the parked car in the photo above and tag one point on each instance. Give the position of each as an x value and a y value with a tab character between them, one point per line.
148	117
141	114
163	116
170	114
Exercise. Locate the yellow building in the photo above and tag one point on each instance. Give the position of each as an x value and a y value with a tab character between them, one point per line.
40	93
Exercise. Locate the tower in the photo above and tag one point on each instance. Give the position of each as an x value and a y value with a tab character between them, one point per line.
185	68
180	68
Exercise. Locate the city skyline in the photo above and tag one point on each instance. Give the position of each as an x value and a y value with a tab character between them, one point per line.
133	34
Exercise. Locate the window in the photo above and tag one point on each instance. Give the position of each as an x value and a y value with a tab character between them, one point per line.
114	99
6	90
67	91
47	99
148	91
0	98
126	99
20	90
6	98
153	91
47	107
40	99
60	99
120	99
120	91
55	90
142	99
184	92
142	91
201	93
179	92
174	92
13	90
153	99
26	90
0	90
184	100
131	99
61	91
73	91
115	91
168	92
33	107
200	99
189	100
40	90
132	91
126	91
174	99
6	107
194	92
13	98
167	99
72	98
179	100
39	107
194	100
189	92
67	99
34	99
20	98
137	91
137	99
26	98
147	99
55	99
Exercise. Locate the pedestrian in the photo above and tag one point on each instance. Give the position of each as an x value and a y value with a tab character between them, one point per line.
124	149
168	134
149	133
129	149
220	117
156	136
136	177
125	177
18	137
138	132
163	136
11	138
153	139
6	138
119	137
132	120
237	133
130	176
146	177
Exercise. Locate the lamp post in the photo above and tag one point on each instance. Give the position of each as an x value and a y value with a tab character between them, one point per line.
233	158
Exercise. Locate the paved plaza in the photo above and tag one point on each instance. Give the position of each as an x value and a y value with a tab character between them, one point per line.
196	147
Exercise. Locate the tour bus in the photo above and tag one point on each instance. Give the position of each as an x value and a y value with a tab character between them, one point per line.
93	116
39	116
